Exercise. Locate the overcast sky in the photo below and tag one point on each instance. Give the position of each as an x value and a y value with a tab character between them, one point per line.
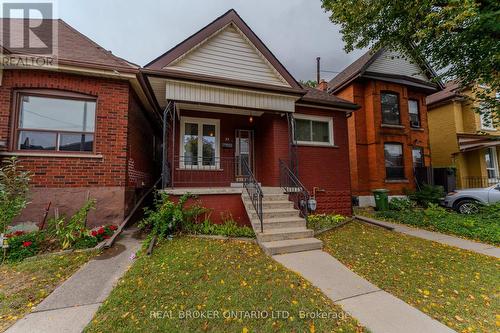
296	31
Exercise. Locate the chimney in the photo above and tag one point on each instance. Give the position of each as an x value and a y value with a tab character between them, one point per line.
323	85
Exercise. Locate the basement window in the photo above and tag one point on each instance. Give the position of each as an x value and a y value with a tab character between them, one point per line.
313	130
55	124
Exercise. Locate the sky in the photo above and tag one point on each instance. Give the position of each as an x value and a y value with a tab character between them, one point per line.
296	31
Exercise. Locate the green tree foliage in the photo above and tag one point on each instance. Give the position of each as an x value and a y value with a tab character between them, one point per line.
309	83
459	38
14	188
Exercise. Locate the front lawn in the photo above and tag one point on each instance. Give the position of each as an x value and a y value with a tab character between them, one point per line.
457	287
25	284
222	280
484	226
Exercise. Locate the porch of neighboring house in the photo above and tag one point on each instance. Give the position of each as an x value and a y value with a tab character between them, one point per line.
478	161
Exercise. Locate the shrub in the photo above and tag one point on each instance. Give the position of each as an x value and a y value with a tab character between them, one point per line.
428	194
67	233
14	188
228	228
23	245
319	222
399	204
168	217
85	242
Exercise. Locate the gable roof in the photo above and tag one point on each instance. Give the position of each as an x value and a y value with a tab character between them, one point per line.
75	49
451	90
230	17
320	97
362	67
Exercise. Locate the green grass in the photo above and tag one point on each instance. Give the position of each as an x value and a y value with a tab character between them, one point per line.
459	288
190	274
25	284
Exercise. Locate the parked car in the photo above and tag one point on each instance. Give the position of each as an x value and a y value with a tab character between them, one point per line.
467	201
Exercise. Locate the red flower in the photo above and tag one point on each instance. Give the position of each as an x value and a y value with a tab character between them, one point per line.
100	231
19	233
113	227
26	244
93	233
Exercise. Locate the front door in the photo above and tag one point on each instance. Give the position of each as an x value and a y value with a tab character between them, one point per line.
243	153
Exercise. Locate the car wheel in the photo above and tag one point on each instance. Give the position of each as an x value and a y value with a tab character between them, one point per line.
467	207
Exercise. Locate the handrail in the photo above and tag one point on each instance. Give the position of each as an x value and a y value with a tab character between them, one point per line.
254	191
291	185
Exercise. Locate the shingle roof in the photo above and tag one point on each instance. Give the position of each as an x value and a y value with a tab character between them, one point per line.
352	70
451	90
317	96
72	47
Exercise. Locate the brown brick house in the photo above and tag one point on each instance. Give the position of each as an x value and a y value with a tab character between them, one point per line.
70	126
236	121
388	136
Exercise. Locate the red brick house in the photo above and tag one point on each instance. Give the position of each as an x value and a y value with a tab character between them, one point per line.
84	129
237	122
388	136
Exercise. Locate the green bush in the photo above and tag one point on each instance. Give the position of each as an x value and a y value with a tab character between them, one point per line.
319	222
85	242
14	188
168	217
428	194
399	204
228	228
23	245
67	233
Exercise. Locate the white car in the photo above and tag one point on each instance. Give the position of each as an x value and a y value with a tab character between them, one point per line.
467	201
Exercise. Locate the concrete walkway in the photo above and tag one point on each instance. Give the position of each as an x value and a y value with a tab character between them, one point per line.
374	308
481	248
71	306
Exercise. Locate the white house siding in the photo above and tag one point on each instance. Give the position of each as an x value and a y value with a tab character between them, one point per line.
211	94
392	62
229	54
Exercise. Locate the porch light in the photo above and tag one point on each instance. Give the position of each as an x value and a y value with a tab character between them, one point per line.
250	119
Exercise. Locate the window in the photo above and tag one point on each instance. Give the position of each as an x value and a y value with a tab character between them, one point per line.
313	130
394	164
199	143
414	113
491	159
486	119
418	157
55	124
390	109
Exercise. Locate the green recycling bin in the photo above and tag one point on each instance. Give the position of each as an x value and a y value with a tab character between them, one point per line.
381	199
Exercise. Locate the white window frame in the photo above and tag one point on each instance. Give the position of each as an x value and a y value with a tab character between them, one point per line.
484	114
200	122
495	168
329	120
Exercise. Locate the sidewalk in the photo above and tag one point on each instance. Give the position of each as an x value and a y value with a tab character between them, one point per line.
71	306
481	248
374	308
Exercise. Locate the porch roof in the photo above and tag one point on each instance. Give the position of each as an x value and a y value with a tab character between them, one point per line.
470	142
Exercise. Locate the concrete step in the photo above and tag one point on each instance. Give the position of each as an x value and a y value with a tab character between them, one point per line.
279	223
277	204
283	234
274	213
272	190
291	245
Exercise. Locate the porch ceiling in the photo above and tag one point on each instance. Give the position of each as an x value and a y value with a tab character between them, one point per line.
165	89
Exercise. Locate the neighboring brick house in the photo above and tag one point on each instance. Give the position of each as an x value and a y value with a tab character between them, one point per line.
84	129
462	139
233	109
388	136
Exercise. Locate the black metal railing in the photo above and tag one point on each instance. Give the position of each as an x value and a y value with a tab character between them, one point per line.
203	172
254	191
478	182
292	186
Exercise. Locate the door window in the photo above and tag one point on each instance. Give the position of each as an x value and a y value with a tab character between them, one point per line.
491	160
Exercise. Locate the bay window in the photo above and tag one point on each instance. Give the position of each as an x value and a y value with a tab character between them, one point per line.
394	162
390	108
199	143
313	130
414	111
55	123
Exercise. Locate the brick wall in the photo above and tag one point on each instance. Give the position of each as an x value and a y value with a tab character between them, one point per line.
327	168
67	181
367	136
